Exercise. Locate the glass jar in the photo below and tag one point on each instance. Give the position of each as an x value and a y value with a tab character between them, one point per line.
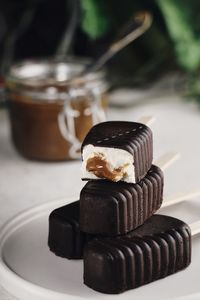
50	117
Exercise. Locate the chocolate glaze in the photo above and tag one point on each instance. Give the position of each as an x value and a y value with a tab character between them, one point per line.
65	238
110	208
158	248
133	137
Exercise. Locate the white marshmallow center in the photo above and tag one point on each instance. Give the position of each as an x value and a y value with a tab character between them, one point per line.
116	158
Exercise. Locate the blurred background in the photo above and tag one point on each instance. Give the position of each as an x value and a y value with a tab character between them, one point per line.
44	43
47	28
44	118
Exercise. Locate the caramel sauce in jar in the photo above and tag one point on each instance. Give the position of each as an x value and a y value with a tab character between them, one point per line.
49	117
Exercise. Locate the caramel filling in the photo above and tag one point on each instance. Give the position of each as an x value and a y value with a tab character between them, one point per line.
101	168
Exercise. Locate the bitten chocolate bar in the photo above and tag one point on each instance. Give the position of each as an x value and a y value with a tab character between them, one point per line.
65	238
160	247
117	150
108	208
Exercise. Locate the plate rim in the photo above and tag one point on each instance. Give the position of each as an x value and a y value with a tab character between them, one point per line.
19	287
13	283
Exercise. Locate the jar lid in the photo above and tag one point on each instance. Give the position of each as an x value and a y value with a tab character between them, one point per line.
39	73
49	79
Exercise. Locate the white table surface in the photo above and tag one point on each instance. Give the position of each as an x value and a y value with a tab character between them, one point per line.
26	183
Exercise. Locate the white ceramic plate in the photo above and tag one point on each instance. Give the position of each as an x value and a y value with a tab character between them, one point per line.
30	271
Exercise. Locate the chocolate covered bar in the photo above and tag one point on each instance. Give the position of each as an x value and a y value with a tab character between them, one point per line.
160	247
65	238
110	208
117	150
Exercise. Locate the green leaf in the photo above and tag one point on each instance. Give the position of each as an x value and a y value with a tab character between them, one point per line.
187	45
94	20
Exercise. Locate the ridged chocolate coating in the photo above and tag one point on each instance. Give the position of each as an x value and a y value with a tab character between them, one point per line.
65	238
160	247
136	138
110	208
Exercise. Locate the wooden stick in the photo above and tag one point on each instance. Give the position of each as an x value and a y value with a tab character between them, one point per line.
195	228
164	162
167	159
171	200
147	120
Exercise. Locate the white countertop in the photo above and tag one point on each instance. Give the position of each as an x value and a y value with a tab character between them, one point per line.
26	183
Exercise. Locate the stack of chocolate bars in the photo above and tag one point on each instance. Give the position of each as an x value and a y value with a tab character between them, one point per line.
112	226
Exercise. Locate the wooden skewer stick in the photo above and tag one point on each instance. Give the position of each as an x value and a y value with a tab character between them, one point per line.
147	120
164	162
195	228
167	159
171	200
